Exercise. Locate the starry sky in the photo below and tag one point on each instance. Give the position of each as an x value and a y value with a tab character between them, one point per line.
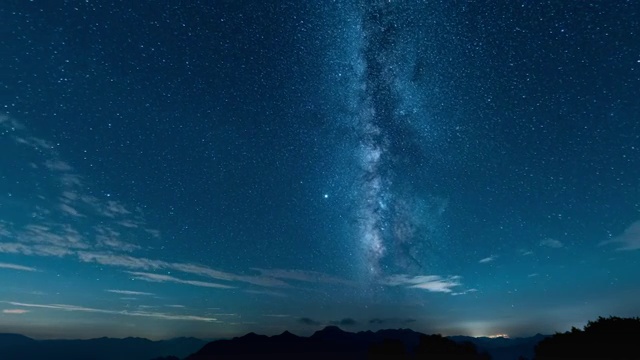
210	168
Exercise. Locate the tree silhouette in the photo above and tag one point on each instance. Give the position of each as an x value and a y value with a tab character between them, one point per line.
605	338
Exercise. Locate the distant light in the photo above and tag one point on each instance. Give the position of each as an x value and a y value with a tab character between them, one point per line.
326	196
504	336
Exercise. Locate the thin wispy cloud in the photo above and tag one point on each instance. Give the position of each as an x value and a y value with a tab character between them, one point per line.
16	267
628	240
74	308
167	278
10	123
15	311
303	275
132	262
153	232
68	196
488	259
551	243
117	237
114	208
35	143
120	260
432	283
61	246
464	292
71	180
148	264
35	250
129	224
60	235
266	292
57	165
265	281
4	231
75	199
129	292
70	210
112	242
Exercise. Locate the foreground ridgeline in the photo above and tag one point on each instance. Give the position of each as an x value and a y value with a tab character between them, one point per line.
335	344
605	338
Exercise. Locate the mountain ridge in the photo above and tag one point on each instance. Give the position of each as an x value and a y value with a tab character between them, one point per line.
338	344
18	346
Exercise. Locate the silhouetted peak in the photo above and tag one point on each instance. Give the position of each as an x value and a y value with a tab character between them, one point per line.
332	334
14	339
286	335
253	336
184	338
331	330
135	339
15	336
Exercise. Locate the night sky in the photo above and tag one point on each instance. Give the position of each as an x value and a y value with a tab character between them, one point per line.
211	168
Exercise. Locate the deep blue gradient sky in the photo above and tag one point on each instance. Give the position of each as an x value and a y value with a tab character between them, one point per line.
211	168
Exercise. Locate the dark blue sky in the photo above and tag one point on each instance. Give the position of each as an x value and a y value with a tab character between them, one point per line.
218	167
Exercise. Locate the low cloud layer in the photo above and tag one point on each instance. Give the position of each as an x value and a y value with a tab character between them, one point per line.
346	322
309	321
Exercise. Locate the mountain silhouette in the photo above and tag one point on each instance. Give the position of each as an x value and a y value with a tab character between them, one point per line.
18	347
328	342
337	344
7	340
605	338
